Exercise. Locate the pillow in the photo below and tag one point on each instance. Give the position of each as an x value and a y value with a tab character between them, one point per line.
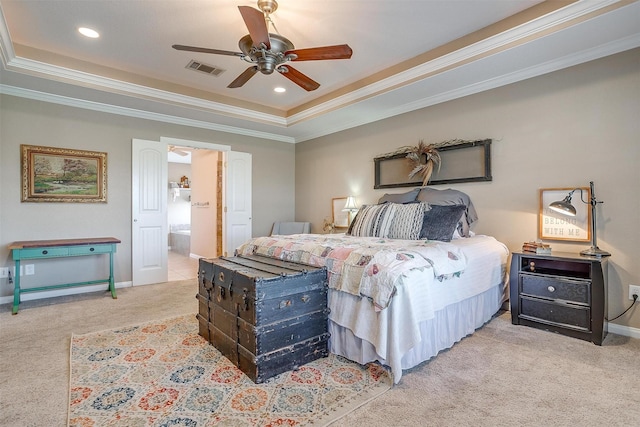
407	221
407	197
451	197
389	220
373	220
440	222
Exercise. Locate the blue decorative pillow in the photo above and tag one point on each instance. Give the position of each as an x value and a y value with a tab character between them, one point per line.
441	221
447	197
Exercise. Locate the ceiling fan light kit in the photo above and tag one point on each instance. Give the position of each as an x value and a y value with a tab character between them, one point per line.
270	52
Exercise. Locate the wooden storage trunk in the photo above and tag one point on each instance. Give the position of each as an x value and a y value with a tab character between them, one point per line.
267	316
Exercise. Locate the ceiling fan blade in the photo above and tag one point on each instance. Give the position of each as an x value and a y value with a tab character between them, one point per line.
254	20
206	50
244	77
300	79
341	51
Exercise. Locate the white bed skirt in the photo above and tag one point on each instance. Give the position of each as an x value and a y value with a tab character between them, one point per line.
449	326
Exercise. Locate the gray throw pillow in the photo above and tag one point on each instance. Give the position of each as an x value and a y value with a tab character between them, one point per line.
441	221
407	197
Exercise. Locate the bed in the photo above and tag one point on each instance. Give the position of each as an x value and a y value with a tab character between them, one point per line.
397	295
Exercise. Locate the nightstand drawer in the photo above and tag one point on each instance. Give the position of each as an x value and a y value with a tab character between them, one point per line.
555	313
43	252
578	291
89	250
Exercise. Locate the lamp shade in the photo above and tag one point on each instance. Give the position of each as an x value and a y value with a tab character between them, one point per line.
563	206
351	205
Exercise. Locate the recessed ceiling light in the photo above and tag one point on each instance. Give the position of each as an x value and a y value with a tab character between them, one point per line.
279	89
88	32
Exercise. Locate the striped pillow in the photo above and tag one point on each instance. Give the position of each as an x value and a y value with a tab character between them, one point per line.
373	220
389	220
407	221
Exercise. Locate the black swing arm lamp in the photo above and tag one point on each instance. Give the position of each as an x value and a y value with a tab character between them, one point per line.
565	207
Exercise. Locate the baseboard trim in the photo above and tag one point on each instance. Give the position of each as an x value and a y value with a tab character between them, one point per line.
626	331
30	296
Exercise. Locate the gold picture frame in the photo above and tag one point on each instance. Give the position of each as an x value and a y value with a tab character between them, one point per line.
340	219
556	226
51	174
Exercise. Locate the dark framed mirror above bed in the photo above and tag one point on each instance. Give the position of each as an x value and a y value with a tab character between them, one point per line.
468	161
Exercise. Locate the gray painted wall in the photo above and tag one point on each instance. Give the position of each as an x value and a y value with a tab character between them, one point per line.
31	122
560	130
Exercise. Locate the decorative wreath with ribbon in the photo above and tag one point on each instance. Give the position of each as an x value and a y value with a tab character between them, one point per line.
423	159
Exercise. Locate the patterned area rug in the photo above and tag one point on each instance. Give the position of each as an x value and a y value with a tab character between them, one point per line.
164	374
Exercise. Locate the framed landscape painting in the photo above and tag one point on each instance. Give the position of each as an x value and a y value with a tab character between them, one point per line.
52	174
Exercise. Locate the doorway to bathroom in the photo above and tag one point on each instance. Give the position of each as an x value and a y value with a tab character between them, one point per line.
194	209
220	203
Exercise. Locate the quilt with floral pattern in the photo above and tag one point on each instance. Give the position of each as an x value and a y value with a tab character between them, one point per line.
369	267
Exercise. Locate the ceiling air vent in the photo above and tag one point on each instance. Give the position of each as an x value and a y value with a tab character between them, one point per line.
204	68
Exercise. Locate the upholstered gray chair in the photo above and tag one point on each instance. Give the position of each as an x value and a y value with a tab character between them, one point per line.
286	228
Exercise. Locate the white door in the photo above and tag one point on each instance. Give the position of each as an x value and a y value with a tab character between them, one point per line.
149	244
237	201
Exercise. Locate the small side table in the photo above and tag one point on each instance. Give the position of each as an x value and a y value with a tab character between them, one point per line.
564	293
61	248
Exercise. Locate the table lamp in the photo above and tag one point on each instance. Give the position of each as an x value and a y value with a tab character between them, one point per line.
350	207
565	207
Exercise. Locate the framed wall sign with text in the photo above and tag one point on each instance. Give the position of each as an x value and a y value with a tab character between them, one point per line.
556	226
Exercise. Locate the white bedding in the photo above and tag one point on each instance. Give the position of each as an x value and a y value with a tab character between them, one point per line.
426	315
398	334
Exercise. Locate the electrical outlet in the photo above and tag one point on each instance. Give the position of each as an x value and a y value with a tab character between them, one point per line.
634	289
29	270
4	272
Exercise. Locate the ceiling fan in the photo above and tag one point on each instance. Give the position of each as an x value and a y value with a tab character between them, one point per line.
271	52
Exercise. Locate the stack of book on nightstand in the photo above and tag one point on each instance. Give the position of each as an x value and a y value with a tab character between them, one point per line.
536	247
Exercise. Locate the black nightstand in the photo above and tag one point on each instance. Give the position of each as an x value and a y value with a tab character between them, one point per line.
564	293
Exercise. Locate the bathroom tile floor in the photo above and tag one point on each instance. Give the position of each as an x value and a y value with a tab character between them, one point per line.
181	267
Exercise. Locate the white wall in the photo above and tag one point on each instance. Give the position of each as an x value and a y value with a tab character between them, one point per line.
178	210
563	129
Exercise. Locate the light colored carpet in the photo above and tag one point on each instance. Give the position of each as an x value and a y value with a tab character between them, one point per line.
162	373
503	375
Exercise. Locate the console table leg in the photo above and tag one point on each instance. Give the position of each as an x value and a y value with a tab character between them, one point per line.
112	286
16	289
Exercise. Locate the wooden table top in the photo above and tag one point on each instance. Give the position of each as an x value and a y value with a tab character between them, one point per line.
62	242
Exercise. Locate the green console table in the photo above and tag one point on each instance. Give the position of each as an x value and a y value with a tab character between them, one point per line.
61	248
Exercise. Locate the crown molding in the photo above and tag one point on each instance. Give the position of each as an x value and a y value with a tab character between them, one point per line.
329	111
518	35
141	114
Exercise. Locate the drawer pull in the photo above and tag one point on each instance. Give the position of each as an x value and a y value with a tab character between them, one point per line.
221	276
551	289
305	298
45	252
92	249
